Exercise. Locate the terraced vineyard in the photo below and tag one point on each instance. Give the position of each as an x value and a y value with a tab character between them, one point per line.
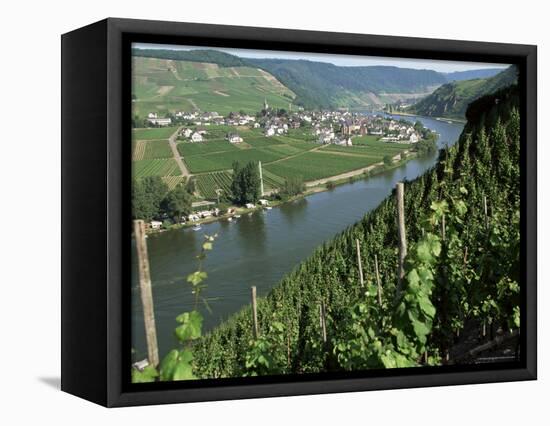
271	180
170	85
155	167
138	150
207	184
173	181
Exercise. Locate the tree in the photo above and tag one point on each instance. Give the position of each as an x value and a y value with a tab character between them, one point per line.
245	186
147	195
388	160
177	202
293	185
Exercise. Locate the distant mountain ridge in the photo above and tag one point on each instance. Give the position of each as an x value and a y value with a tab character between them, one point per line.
320	84
325	85
328	85
211	56
452	99
472	74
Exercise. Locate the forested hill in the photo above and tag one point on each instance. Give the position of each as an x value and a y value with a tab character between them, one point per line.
222	59
320	84
452	99
460	273
471	74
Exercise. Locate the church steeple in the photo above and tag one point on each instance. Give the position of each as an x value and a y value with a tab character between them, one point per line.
266	106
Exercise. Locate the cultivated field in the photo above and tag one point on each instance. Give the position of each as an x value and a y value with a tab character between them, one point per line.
153	133
207	184
162	86
155	167
318	165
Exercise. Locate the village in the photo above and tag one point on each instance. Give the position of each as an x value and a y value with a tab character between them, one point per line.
326	127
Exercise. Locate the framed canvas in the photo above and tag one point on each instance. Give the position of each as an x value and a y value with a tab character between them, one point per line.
254	212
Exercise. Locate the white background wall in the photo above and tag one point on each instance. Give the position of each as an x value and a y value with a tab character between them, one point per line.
30	235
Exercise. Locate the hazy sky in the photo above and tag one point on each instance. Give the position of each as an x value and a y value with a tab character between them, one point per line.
341	60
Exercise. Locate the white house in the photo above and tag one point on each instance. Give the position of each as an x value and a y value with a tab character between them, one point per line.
196	137
263	202
249	205
234	138
270	131
413	138
155	224
160	121
186	133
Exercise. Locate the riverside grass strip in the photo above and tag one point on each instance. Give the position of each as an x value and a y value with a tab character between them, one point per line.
313	165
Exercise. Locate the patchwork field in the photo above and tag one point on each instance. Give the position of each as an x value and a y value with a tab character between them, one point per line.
198	148
173	181
207	184
155	167
153	133
224	160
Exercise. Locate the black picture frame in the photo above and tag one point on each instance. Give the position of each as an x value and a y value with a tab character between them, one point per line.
95	209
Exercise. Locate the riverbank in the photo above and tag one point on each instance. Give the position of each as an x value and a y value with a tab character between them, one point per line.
445	119
312	187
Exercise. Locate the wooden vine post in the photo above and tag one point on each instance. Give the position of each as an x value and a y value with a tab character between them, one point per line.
323	321
254	312
401	234
361	279
485	212
146	293
378	284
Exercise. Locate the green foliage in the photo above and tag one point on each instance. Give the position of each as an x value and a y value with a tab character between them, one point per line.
177	202
147	375
177	365
291	187
147	195
465	271
388	161
265	355
245	186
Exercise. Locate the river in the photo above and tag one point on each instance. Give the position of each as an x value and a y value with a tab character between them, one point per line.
259	248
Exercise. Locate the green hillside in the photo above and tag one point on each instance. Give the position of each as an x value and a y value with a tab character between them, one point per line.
166	86
327	85
451	100
454	281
